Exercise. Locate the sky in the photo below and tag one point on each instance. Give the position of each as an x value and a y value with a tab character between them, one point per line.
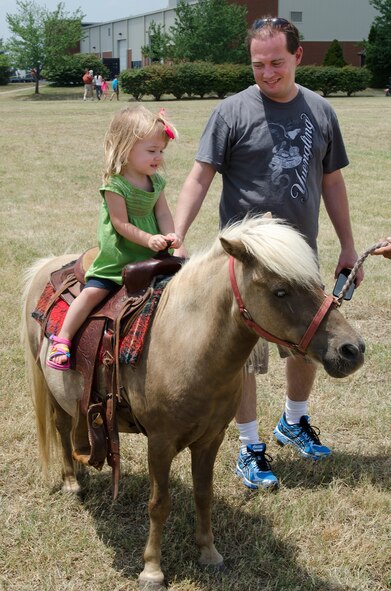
95	11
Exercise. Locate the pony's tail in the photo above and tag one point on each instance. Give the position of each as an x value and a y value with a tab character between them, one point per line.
44	417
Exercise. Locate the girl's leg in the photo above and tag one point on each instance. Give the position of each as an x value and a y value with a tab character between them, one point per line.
78	312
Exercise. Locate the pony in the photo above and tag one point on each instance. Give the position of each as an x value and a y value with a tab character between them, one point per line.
259	276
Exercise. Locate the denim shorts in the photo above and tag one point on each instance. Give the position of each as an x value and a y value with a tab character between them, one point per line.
102	284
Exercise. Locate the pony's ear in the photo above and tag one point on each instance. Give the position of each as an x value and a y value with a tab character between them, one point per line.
268	215
236	249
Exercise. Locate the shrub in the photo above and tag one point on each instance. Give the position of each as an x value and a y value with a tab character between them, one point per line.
354	79
195	78
327	80
69	72
201	79
133	82
159	80
334	55
231	78
188	78
5	70
331	79
308	76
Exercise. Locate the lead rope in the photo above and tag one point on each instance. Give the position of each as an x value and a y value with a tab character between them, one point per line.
356	267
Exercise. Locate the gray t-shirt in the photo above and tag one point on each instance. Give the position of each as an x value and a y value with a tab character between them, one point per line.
272	155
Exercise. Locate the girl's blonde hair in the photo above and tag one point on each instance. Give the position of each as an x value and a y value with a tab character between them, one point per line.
127	127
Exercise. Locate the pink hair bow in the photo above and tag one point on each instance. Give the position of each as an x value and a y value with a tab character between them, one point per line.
167	128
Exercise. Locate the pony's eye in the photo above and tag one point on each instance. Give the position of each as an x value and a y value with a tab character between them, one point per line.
280	293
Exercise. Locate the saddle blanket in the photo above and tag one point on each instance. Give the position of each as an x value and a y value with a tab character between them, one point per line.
132	343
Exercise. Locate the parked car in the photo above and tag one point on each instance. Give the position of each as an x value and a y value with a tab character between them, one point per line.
25	78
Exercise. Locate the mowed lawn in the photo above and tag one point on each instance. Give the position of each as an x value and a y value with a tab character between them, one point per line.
328	527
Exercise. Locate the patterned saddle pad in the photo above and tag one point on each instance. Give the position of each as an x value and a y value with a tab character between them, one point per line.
132	343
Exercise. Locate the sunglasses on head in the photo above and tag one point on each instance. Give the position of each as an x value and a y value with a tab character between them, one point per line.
274	22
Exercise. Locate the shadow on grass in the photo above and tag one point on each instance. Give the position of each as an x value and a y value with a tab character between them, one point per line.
354	469
49	97
255	559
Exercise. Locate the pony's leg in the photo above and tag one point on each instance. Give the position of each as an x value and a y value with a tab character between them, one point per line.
160	456
64	424
202	463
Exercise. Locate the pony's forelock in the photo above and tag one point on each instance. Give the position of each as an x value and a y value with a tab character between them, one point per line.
278	247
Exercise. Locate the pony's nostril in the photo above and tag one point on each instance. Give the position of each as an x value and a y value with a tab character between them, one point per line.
350	351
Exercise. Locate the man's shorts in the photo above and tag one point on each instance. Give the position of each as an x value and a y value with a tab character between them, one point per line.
258	362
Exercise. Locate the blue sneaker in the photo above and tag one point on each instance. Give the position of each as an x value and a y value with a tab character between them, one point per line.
303	437
254	468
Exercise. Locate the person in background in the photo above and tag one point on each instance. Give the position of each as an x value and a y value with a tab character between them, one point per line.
279	149
87	80
135	220
115	89
105	88
98	85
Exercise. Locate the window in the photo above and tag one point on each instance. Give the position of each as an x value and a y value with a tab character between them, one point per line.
108	31
296	17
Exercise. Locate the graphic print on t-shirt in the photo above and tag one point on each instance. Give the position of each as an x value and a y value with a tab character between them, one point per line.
292	153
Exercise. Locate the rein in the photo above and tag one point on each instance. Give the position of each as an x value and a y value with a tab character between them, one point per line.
300	348
351	277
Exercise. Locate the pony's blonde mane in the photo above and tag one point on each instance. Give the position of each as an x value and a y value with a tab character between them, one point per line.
275	245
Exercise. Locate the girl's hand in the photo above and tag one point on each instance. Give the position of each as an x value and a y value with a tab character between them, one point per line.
157	242
174	239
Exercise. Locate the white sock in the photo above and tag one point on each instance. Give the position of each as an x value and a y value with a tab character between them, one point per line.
248	433
295	410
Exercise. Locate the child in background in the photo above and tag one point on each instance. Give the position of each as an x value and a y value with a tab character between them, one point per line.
115	88
105	88
135	220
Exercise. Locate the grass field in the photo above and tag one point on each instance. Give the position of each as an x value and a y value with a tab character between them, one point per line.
328	527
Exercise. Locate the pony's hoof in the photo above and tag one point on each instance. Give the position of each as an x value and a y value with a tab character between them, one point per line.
151	586
221	568
218	569
71	485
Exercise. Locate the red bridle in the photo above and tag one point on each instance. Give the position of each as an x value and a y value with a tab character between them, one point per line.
301	347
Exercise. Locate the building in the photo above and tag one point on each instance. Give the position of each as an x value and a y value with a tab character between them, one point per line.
319	22
124	38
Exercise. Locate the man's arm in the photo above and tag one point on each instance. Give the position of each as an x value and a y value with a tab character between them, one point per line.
192	196
337	206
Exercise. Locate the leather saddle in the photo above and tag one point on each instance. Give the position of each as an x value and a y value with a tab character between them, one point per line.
103	330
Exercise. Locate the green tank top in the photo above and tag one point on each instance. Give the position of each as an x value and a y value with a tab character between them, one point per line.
114	250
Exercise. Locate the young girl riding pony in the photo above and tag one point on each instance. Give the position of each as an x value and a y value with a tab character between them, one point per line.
135	220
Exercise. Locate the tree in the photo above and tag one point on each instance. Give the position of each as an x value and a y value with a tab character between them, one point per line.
70	69
5	69
378	45
334	55
210	30
40	37
158	48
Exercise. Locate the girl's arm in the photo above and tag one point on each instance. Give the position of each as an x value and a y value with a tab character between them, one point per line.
119	219
165	220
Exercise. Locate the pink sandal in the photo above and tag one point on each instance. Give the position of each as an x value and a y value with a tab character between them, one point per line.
59	347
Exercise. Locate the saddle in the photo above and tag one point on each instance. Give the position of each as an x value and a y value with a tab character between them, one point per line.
102	331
